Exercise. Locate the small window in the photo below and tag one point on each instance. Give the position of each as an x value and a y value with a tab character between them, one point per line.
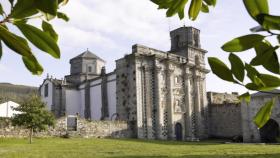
46	90
89	69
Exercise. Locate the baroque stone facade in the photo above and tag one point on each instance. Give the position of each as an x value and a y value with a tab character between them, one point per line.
162	94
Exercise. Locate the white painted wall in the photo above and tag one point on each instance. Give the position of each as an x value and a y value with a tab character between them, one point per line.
82	110
49	99
6	109
73	101
95	102
111	93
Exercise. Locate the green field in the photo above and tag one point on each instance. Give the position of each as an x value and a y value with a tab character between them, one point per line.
129	148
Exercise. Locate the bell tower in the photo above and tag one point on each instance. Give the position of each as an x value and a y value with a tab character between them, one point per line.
185	41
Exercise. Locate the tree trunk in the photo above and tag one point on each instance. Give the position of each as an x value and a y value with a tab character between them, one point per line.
30	135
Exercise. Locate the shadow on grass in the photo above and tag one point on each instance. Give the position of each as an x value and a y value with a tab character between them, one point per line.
208	156
172	142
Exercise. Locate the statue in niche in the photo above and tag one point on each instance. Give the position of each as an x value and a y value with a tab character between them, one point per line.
177	106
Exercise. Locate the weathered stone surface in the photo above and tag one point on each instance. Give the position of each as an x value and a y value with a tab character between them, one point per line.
224	115
251	133
85	129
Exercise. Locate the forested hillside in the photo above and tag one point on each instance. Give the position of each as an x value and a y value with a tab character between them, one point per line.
15	93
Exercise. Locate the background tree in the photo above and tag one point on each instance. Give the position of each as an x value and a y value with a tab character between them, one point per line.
34	116
266	55
45	39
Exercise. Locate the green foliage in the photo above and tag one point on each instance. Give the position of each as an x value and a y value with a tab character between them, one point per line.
178	6
243	43
40	39
33	115
62	16
267	57
256	7
220	69
46	39
245	96
237	67
264	113
47	28
266	54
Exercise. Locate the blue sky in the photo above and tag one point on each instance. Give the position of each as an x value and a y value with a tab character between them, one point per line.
109	29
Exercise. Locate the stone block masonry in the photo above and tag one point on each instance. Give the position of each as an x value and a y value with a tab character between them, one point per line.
224	115
85	129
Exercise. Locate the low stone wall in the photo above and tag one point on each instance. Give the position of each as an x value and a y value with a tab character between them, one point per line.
85	129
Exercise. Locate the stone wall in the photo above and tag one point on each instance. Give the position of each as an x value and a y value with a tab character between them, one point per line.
251	133
224	115
85	129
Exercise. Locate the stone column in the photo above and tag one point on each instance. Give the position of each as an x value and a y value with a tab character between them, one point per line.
198	106
140	100
157	100
169	82
149	102
204	107
189	135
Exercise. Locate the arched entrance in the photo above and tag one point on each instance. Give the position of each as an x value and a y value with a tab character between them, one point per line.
269	132
179	131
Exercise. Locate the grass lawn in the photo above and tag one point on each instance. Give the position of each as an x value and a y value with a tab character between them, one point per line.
129	148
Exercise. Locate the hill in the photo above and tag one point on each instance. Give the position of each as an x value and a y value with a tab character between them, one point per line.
15	93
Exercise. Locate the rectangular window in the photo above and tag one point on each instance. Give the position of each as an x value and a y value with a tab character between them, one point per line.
89	69
46	90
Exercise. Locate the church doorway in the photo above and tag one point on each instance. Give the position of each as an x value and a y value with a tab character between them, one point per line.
269	132
178	131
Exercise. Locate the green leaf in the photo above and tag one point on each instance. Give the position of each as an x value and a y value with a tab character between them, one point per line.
32	65
210	2
1	51
47	6
47	28
194	9
263	57
264	113
246	97
252	86
48	16
62	16
251	72
269	80
204	8
243	43
269	22
14	42
177	6
237	67
1	10
220	69
163	4
256	7
63	2
24	8
272	63
40	39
